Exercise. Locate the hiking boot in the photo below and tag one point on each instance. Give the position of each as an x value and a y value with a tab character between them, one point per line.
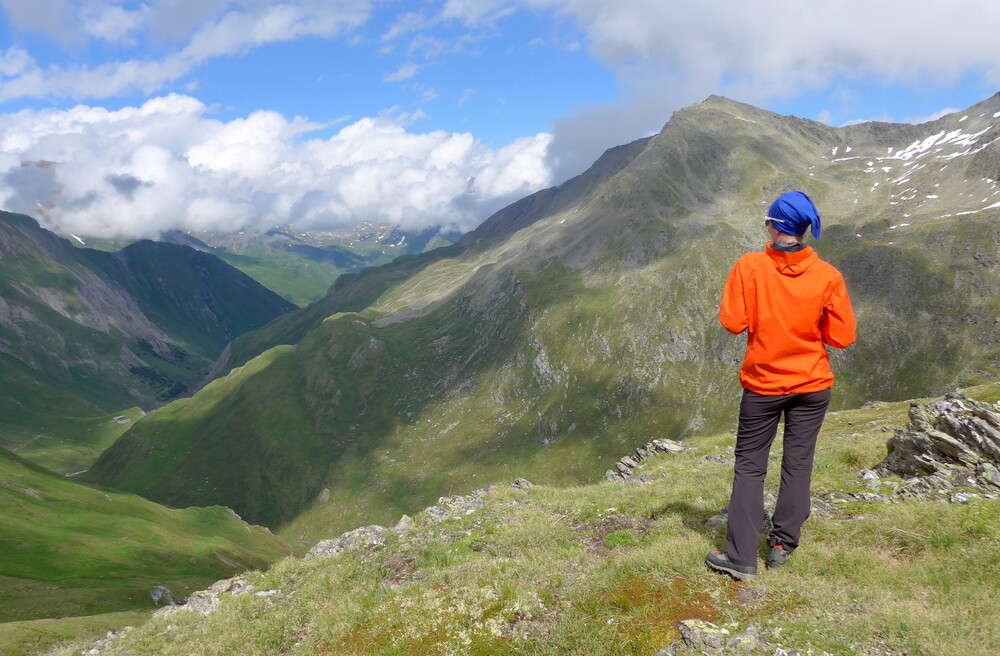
778	556
718	561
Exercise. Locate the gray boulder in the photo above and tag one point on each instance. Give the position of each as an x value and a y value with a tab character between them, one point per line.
954	438
366	536
162	596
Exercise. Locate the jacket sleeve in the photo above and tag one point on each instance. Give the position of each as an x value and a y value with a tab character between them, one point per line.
733	310
837	325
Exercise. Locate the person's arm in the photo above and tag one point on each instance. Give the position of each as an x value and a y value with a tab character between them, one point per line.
837	325
733	310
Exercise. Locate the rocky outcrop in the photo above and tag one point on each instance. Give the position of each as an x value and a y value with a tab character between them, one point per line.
623	468
366	536
205	602
702	638
953	441
162	595
104	643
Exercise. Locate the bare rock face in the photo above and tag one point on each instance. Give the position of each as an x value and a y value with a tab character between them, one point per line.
951	438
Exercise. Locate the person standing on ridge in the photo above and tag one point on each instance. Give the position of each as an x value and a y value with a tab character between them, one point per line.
791	304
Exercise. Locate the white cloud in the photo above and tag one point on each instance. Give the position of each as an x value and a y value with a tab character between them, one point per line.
114	24
15	61
224	29
168	164
405	24
916	120
405	72
755	51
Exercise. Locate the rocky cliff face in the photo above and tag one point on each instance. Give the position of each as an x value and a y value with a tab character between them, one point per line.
582	323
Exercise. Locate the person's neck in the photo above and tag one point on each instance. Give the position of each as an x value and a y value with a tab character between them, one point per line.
787	245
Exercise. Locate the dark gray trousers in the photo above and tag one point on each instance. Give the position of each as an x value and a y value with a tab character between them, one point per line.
759	416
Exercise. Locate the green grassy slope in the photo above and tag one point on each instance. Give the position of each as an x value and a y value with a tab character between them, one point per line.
66	444
609	568
350	293
301	265
301	284
32	637
581	335
70	549
84	333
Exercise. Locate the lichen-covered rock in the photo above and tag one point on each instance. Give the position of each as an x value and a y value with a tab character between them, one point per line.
403	526
203	602
750	640
988	474
667	446
701	634
366	536
953	437
207	601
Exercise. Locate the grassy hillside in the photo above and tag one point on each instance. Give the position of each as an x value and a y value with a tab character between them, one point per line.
73	550
585	332
610	568
84	333
351	292
67	445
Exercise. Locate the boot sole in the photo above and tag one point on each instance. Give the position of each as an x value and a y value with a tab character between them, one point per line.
736	574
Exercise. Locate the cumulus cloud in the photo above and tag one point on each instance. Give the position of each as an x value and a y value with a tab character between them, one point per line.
753	51
223	29
114	24
167	164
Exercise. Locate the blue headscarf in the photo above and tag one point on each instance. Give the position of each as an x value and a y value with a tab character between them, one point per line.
793	213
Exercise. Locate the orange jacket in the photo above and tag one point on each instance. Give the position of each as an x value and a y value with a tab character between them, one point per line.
790	304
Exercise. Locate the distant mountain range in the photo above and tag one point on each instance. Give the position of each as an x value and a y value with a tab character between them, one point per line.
84	333
300	265
581	322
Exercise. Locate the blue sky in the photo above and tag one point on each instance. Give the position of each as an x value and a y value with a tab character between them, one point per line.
226	114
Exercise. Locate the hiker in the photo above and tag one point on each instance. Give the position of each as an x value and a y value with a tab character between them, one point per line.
791	304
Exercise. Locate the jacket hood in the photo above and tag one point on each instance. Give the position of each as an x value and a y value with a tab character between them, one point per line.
792	264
